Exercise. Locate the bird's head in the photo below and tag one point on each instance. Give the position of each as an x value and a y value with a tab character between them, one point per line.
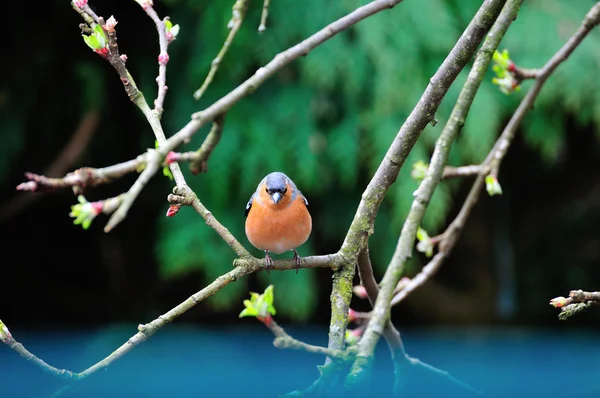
277	187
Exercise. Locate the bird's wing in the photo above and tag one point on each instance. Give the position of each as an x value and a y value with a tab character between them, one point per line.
303	198
249	204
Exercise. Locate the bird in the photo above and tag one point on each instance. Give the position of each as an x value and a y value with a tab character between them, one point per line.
277	217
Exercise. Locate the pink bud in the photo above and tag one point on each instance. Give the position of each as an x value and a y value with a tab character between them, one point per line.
171	157
169	36
511	66
110	24
360	291
352	316
163	58
173	209
123	57
80	3
97	207
558	302
103	52
266	320
357	332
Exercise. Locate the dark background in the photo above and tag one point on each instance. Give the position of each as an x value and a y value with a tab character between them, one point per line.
326	120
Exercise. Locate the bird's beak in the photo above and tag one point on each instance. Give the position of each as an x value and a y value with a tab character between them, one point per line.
276	197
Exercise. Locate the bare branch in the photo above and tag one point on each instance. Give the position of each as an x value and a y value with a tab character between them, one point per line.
386	174
83	177
434	173
199	163
578	301
7	338
263	18
163	59
450	236
243	267
463	171
239	12
284	341
279	61
185	196
69	155
136	96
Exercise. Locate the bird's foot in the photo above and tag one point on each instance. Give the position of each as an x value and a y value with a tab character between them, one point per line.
269	262
296	260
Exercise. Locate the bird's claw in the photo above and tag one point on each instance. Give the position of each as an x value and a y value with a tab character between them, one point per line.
296	260
269	262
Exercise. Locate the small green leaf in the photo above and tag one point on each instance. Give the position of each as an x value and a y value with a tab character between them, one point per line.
167	172
259	304
92	42
269	295
251	311
419	170
100	35
492	185
425	245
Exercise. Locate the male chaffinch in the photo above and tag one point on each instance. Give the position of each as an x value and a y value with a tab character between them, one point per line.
277	217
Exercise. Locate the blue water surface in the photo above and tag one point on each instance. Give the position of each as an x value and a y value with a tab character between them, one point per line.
187	361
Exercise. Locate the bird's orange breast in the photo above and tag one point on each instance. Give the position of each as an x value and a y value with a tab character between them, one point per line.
278	228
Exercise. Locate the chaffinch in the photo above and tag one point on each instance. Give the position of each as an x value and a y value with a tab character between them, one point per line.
277	217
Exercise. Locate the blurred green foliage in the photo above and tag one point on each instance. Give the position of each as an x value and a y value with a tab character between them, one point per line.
328	118
331	116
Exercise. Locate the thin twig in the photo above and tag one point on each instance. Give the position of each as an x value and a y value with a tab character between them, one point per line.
577	302
83	177
136	96
238	14
244	266
163	43
244	89
263	18
284	341
462	171
199	163
279	61
68	156
7	338
425	191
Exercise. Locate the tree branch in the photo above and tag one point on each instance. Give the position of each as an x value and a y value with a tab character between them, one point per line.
263	17
136	96
243	266
239	12
450	236
463	171
591	19
380	313
199	163
284	341
262	74
578	301
7	338
68	156
163	59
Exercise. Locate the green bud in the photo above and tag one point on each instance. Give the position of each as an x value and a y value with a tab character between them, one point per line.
419	170
425	244
492	185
